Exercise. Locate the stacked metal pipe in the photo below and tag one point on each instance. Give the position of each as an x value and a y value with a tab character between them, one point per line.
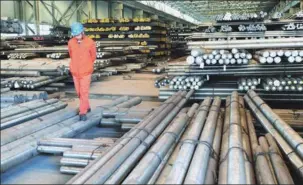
240	16
158	70
22	96
162	81
236	158
278	56
77	153
21	113
57	55
269	165
64	123
252	28
186	82
290	142
117	162
175	69
196	166
61	66
283	84
218	57
248	83
251	44
21	55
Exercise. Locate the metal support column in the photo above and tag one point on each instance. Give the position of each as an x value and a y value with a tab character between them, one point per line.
89	6
138	14
37	17
117	10
96	9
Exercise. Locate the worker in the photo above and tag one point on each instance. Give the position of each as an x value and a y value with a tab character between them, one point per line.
82	51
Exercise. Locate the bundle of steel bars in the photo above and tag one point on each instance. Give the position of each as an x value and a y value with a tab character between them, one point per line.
283	84
22	96
290	142
22	139
218	57
236	70
251	44
278	56
20	113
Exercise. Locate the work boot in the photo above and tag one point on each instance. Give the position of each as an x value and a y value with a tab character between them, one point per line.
83	117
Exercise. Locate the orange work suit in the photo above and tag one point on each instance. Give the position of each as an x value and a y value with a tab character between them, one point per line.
83	56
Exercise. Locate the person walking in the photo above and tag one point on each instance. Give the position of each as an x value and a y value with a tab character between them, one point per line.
82	51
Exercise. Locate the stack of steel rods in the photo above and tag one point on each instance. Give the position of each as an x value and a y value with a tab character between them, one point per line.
269	165
22	96
219	57
57	55
252	44
278	56
21	55
186	82
117	162
248	83
19	66
196	166
289	141
236	70
77	152
59	124
22	113
222	92
236	158
162	81
283	84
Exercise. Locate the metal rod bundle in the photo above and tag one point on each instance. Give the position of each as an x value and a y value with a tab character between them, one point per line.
186	82
102	168
26	147
248	83
252	28
178	173
289	134
278	56
283	84
145	169
252	44
50	106
240	16
197	171
162	81
236	70
218	57
287	148
269	165
57	55
222	92
22	55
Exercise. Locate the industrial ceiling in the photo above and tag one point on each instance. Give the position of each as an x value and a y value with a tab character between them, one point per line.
205	10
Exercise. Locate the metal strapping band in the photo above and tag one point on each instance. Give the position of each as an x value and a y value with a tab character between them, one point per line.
238	124
296	147
264	154
202	109
235	147
157	155
234	101
33	110
172	134
136	137
213	153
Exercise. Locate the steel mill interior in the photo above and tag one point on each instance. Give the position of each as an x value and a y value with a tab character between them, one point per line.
151	92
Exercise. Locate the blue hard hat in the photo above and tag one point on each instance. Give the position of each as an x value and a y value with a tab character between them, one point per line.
76	28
